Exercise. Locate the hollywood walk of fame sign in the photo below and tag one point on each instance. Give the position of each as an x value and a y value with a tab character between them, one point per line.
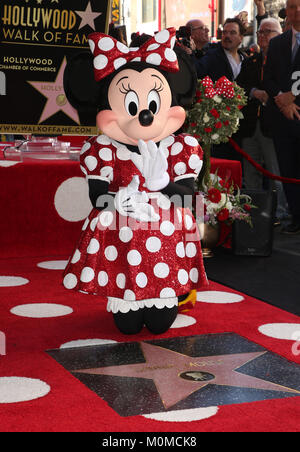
181	373
37	37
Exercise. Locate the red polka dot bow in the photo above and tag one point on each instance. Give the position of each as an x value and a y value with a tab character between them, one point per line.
110	54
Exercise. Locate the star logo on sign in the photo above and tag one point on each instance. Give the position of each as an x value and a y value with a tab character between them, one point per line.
88	17
56	98
176	376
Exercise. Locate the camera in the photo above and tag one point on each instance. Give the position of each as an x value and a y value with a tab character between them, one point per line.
183	35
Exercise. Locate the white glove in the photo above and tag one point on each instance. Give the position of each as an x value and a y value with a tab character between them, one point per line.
131	202
155	166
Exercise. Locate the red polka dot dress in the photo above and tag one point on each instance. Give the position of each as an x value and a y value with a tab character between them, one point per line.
136	264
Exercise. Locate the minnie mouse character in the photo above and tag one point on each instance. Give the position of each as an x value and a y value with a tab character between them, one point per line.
140	245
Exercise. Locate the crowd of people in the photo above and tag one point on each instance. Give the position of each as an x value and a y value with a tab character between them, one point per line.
270	130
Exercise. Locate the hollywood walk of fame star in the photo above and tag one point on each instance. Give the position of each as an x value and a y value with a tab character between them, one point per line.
56	98
176	375
88	17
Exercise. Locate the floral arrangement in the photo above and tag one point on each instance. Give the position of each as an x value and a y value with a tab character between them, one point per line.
222	203
216	111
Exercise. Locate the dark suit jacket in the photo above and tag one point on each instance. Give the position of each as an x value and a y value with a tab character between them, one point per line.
278	77
251	77
215	64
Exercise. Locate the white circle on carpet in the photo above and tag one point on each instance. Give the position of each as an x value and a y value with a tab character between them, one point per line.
72	201
7	163
194	414
219	297
12	281
286	331
21	389
183	321
53	265
41	310
87	343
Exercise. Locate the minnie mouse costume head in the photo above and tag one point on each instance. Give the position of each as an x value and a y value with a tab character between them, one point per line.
140	246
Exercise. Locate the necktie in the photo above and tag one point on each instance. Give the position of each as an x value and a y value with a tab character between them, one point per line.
296	46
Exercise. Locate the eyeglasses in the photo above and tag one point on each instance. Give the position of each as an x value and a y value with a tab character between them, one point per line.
199	28
265	32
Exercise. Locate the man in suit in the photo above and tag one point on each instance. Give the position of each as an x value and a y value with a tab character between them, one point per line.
283	62
199	37
254	130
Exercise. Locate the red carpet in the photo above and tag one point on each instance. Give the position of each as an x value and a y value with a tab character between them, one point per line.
39	315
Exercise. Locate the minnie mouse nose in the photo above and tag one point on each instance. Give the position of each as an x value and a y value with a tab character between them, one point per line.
146	118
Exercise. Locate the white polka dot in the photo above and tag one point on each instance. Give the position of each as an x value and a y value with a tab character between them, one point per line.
87	275
153	244
154	58
176	148
195	162
107	172
285	331
122	47
106	218
103	139
166	142
105	154
191	141
111	253
92	45
182	321
83	170
218	297
137	59
102	278
170	55
123	154
72	200
53	265
194	275
167	228
119	62
190	415
179	215
106	44
85	148
191	249
100	62
21	389
129	295
134	257
125	234
162	37
12	281
167	292
121	280
141	280
161	270
94	223
93	247
188	221
85	224
180	251
76	257
87	343
163	202
180	168
91	162
41	310
183	276
152	47
7	163
70	281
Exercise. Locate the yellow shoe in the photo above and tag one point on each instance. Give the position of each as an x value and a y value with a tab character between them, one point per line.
188	303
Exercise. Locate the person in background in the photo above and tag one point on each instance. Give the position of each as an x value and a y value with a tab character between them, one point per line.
283	63
199	37
254	130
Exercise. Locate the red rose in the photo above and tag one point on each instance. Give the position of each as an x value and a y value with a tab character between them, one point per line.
226	123
228	108
223	215
208	130
197	136
247	207
240	107
218	125
215	113
198	93
214	195
193	124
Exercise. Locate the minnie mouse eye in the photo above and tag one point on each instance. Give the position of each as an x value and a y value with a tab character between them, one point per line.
131	103
154	101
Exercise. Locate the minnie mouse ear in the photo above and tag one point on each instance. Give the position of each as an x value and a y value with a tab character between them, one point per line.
80	87
184	82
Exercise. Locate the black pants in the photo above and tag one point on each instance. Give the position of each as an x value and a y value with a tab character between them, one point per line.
288	155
